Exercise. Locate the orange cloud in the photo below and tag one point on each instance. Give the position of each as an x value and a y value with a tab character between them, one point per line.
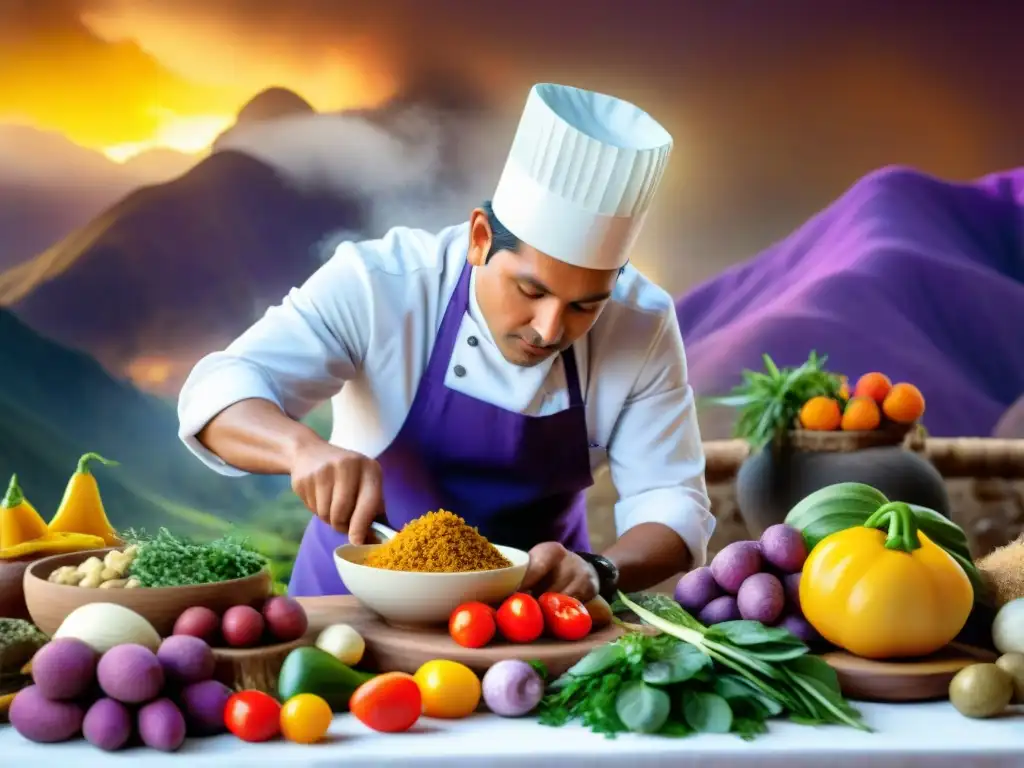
122	78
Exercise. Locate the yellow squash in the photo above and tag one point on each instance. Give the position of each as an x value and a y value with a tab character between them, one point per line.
884	590
19	521
81	510
23	533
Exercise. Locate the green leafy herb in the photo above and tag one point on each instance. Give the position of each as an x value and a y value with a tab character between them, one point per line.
642	708
19	640
168	561
769	401
539	667
707	712
770	659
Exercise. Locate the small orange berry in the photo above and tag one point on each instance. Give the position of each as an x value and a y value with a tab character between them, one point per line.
904	404
874	385
844	388
861	415
821	414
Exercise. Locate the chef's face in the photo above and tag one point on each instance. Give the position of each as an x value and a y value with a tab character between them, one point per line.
534	305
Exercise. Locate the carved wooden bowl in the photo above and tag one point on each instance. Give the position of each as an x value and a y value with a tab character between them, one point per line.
48	603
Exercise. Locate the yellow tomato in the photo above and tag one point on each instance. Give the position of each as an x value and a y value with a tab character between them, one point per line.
305	718
449	689
885	594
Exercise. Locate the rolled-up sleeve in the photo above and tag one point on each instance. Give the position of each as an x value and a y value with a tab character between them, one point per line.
299	354
655	454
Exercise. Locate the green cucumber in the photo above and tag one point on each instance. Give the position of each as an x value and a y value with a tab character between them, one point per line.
310	670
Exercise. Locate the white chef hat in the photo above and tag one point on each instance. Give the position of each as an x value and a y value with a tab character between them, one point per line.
581	174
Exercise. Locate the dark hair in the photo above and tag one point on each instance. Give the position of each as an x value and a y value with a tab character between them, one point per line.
501	238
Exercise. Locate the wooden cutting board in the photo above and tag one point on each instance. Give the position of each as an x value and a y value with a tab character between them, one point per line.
903	681
394	649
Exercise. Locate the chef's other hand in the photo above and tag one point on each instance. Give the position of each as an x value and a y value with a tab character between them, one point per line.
343	488
553	568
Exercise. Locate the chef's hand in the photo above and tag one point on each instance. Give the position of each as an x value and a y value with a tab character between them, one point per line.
343	488
553	568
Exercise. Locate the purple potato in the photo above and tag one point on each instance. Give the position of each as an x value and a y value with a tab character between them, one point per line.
161	726
107	725
38	719
783	547
64	669
203	706
186	659
800	627
735	563
696	589
761	598
130	673
791	586
718	610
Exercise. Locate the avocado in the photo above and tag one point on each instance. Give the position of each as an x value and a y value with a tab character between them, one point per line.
310	670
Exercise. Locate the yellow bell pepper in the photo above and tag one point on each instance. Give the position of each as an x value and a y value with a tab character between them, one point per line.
81	510
885	594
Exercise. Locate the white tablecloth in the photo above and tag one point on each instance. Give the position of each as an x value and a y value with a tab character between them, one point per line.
905	736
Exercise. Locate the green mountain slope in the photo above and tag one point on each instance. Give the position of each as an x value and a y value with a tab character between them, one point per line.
56	404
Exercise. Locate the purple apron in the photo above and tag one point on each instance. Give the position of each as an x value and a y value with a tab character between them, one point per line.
519	479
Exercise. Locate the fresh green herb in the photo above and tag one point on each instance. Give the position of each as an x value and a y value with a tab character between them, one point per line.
769	659
165	560
539	667
729	678
19	641
769	401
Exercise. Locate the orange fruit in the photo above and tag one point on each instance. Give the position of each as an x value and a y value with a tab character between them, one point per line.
844	388
821	414
862	414
904	404
874	385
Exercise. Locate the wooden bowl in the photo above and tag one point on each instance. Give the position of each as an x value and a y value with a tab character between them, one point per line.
12	593
49	604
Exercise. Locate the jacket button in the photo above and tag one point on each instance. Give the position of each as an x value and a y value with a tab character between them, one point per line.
459	371
472	341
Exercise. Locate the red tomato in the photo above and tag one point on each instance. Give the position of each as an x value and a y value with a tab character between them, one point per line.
520	619
565	617
472	625
253	716
391	702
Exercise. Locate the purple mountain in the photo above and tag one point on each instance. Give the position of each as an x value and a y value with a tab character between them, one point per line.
178	268
919	278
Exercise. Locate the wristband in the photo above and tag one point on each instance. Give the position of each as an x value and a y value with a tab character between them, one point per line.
607	574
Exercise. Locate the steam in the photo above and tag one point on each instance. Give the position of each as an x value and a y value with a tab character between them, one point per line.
411	163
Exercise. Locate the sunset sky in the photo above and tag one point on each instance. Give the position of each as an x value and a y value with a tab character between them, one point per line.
776	107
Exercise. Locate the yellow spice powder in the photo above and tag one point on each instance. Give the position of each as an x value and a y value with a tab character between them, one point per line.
438	542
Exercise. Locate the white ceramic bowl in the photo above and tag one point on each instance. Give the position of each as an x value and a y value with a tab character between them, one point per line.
421	599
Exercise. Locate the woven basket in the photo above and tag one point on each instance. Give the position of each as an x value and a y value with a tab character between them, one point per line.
889	434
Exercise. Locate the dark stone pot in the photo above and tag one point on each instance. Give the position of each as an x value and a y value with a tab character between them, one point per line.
771	482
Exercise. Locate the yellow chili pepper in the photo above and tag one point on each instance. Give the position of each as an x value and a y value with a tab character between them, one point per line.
884	594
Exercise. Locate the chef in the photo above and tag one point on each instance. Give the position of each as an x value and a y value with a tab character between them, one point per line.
484	369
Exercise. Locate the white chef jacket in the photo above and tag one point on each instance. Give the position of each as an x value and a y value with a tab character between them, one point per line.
360	332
